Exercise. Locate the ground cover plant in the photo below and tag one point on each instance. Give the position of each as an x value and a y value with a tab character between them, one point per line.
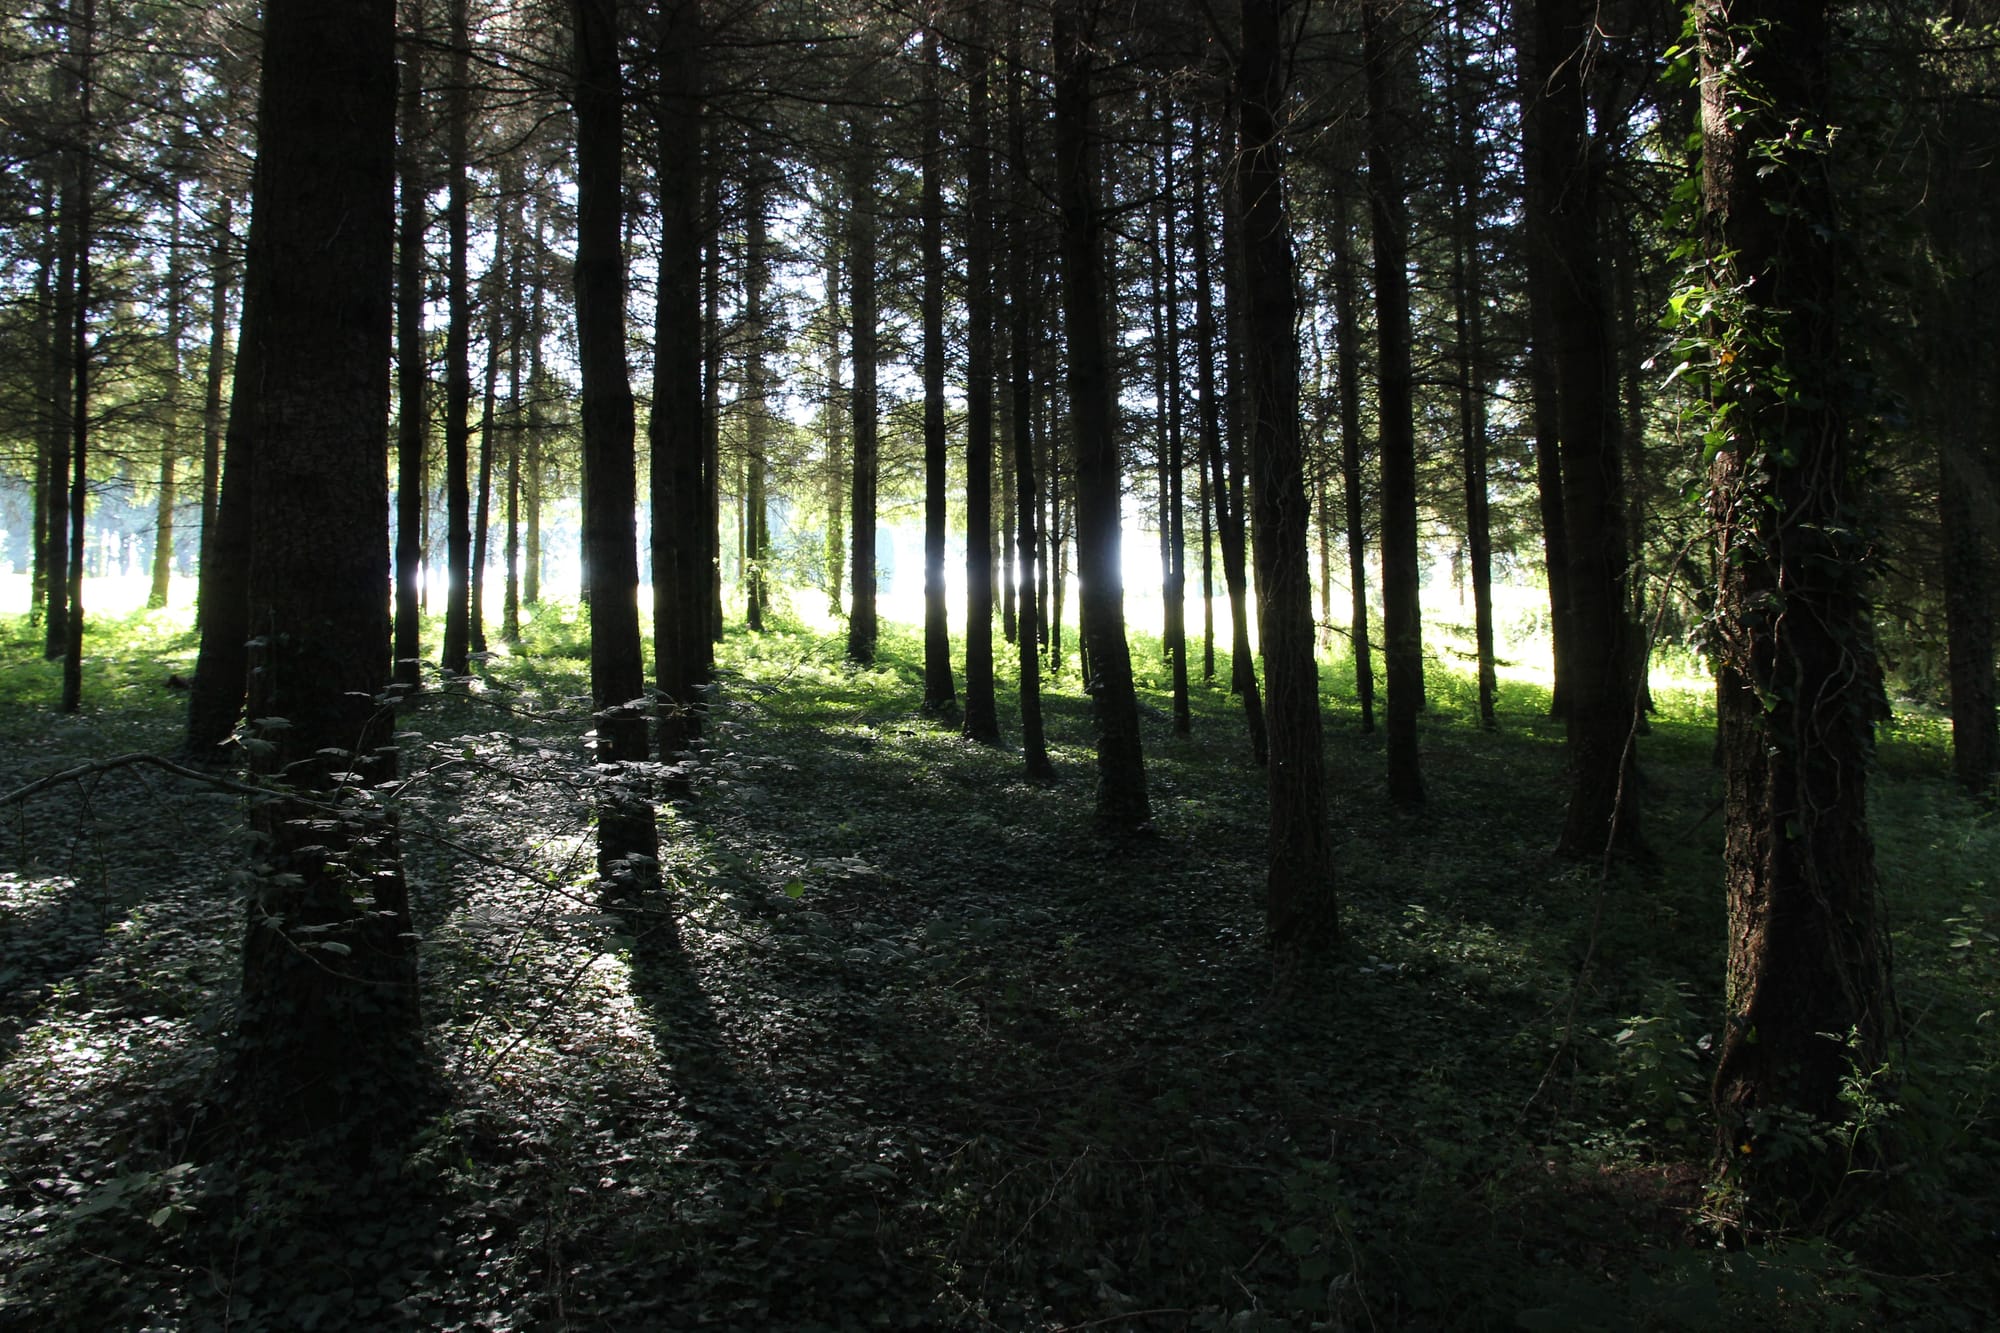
902	1042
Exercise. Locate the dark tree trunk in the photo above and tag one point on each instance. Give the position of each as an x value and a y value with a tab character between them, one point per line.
329	1033
1122	803
1402	615
1603	804
83	41
1808	993
1023	322
1228	514
458	357
627	842
222	263
982	722
63	375
1469	320
1347	334
216	699
833	564
497	279
167	494
711	390
1544	267
1965	551
939	688
1167	392
680	555
862	222
532	464
513	187
1300	913
756	399
412	362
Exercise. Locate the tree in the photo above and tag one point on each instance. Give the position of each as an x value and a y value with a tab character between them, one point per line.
627	841
456	659
329	1022
861	314
1122	804
1402	620
412	363
939	689
1299	905
981	721
1810	1008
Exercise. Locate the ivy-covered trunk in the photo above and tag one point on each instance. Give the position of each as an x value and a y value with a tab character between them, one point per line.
1810	1013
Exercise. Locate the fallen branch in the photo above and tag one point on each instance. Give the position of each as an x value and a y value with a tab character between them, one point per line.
112	765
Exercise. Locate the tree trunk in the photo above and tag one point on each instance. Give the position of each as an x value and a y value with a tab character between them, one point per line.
939	688
1024	312
1468	321
982	721
1122	804
627	842
330	1033
1544	266
1402	611
168	491
1300	914
412	361
533	465
756	404
455	660
221	262
512	185
1347	334
1603	804
680	564
1228	515
862	222
496	282
1810	1008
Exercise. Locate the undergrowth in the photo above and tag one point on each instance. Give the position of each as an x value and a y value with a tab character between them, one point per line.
903	1043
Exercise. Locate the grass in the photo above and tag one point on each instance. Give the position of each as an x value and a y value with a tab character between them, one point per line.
903	1043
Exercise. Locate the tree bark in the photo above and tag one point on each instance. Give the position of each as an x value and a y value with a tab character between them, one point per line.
1810	1007
1228	514
1395	408
1603	805
982	721
222	262
1122	803
167	494
330	1034
1023	322
412	363
455	659
1300	914
862	315
680	554
1347	335
627	842
939	688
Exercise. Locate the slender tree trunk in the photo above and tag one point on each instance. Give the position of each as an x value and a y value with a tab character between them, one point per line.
534	466
222	263
862	221
1401	572
627	842
757	408
1468	324
482	486
63	374
711	387
939	688
83	37
1173	540
834	563
1603	804
982	721
1122	803
680	560
168	491
458	355
1023	321
1347	334
1300	913
1810	1007
513	186
1544	264
1228	516
412	360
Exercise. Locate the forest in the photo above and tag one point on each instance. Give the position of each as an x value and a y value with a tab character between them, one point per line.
999	664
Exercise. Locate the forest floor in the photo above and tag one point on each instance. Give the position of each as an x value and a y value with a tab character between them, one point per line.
904	1043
